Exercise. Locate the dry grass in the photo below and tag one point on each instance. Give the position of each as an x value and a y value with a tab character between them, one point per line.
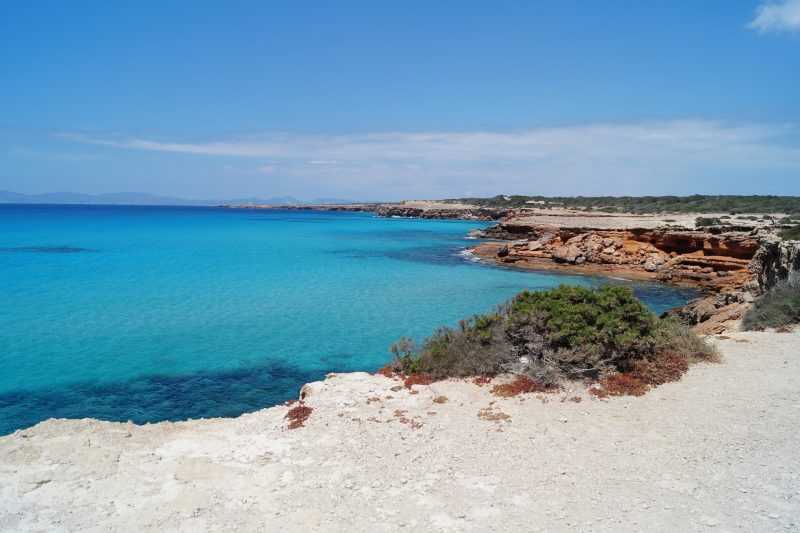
521	385
418	379
386	371
620	384
779	308
480	381
298	415
663	369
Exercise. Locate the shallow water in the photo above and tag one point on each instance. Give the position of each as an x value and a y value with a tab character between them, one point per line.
154	313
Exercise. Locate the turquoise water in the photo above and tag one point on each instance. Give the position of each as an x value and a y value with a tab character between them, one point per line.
153	313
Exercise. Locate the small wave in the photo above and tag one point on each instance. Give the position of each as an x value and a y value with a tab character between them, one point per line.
467	255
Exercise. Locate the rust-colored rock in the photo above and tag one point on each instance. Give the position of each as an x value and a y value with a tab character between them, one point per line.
702	259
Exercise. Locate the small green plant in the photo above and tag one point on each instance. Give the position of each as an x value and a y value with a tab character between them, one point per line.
777	308
403	350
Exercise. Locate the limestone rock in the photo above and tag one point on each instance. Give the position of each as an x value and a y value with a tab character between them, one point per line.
568	253
774	262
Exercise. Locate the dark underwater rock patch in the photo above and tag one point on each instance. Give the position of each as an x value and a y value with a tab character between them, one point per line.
45	249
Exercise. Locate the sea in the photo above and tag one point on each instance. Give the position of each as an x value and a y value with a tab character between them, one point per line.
174	313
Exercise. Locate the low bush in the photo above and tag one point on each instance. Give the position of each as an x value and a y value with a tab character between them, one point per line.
780	307
521	385
568	332
704	221
674	337
620	384
665	368
418	378
790	234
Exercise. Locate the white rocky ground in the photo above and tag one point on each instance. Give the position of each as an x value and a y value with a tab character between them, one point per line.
571	218
716	451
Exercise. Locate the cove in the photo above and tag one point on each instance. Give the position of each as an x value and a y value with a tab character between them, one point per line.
169	313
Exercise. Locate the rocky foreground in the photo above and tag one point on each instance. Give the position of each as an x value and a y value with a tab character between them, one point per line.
715	451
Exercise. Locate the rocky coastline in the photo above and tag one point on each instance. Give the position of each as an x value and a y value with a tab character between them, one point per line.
409	209
731	264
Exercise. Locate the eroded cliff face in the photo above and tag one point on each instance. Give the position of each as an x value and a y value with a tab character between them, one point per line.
774	262
733	266
697	258
477	213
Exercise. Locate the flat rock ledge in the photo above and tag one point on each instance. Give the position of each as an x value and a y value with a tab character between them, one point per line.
717	450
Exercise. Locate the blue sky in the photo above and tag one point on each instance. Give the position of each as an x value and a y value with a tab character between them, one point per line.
379	100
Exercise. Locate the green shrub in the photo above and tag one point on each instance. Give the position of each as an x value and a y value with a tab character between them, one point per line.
790	234
777	308
609	322
649	204
549	335
672	336
704	221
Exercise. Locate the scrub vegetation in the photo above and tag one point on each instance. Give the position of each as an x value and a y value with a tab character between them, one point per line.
649	204
564	333
790	234
778	308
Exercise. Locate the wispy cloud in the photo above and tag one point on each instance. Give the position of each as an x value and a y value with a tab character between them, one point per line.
777	16
613	158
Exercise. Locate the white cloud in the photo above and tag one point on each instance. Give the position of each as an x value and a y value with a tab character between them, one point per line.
777	16
588	159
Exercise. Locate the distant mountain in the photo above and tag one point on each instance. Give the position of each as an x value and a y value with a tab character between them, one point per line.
276	200
118	198
337	201
139	198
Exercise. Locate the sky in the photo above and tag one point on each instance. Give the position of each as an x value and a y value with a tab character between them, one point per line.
394	100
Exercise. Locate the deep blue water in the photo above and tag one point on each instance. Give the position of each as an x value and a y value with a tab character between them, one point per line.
154	313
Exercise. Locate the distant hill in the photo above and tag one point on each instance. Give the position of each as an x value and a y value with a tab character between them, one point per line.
139	198
120	198
334	201
276	200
